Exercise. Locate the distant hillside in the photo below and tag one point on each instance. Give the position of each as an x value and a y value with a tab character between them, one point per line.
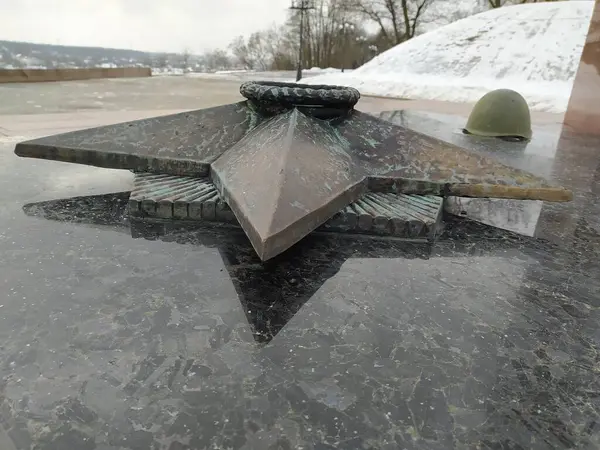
16	55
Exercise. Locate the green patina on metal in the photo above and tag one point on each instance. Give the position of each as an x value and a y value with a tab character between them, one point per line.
291	157
197	199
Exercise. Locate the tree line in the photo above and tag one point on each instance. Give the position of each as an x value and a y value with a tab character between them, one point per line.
341	33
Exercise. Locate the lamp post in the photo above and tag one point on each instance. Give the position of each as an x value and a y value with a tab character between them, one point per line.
361	42
302	6
345	28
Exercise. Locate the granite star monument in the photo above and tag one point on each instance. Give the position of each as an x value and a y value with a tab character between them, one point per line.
289	158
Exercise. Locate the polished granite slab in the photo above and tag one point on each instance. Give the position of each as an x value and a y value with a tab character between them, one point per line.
185	340
535	156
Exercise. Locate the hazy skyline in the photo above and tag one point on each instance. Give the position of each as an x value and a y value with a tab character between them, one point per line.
149	25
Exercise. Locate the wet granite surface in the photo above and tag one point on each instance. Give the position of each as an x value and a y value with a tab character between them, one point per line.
285	169
184	340
536	156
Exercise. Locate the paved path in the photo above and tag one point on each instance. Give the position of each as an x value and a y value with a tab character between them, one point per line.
47	108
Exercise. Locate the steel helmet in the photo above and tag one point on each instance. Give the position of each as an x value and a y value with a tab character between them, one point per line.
500	113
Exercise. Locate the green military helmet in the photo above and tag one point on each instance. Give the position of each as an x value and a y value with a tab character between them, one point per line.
501	113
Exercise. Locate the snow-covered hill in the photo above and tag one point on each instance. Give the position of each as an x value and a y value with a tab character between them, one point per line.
533	48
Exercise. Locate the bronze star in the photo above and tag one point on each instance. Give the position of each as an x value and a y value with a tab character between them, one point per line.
291	156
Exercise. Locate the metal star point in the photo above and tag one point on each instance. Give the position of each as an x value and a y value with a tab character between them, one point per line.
290	157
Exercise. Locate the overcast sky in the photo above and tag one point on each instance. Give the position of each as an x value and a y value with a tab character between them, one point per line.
151	25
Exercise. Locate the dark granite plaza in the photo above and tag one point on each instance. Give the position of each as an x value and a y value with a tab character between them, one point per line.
118	335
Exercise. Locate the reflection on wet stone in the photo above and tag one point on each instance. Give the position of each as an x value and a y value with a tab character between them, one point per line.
287	160
484	339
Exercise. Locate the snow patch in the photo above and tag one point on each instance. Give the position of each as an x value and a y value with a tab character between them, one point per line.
167	71
326	70
219	72
532	48
12	139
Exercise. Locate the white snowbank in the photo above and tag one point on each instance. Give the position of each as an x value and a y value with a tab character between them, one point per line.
532	48
325	70
219	72
167	71
288	76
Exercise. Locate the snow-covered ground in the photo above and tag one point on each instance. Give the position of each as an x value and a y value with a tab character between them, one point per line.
274	75
320	71
167	72
532	48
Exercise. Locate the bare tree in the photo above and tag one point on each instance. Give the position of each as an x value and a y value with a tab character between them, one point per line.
185	58
147	61
398	20
258	52
448	11
260	49
217	60
161	60
240	51
331	34
284	45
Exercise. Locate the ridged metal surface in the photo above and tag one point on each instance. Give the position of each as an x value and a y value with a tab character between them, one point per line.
285	168
285	165
382	214
411	216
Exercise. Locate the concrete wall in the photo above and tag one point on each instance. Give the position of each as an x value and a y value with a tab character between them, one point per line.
40	75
